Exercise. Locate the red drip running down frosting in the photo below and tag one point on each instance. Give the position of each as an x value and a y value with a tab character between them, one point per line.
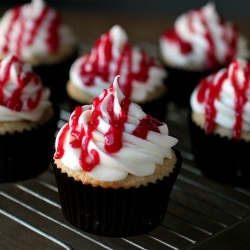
210	88
229	36
23	78
27	34
101	58
113	137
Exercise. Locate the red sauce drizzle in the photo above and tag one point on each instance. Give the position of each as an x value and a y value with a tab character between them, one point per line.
211	59
186	48
100	65
241	99
15	102
212	89
52	40
60	149
146	124
231	40
15	15
113	137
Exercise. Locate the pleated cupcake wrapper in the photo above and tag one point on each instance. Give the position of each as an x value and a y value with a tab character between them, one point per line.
26	154
115	212
181	83
220	158
55	77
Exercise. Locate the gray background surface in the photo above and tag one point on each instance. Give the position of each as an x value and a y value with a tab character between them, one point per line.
230	8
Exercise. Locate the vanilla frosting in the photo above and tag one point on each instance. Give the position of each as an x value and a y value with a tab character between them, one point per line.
22	95
34	30
224	98
140	73
201	39
112	138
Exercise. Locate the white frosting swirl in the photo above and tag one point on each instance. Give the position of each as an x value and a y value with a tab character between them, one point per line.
111	136
224	98
22	95
34	30
213	42
113	55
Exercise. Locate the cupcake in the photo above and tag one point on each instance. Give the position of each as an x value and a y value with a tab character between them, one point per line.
200	43
28	122
115	167
141	76
220	124
36	34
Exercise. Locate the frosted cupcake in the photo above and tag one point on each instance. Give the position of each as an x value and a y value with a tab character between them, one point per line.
141	76
201	42
28	122
35	33
220	124
115	167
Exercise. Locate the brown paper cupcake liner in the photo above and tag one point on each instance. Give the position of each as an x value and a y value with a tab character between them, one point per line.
26	154
222	159
115	212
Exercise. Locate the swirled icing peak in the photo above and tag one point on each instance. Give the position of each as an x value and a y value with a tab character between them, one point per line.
33	30
22	95
202	38
112	138
112	54
224	98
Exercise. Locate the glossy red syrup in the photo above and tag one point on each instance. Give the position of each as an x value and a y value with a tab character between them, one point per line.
15	102
113	137
212	89
211	62
52	39
231	41
211	59
97	64
184	46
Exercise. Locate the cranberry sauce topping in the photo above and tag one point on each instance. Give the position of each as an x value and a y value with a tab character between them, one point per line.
113	138
14	101
173	36
27	33
210	90
102	63
228	36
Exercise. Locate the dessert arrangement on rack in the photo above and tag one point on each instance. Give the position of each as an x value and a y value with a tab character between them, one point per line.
115	160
